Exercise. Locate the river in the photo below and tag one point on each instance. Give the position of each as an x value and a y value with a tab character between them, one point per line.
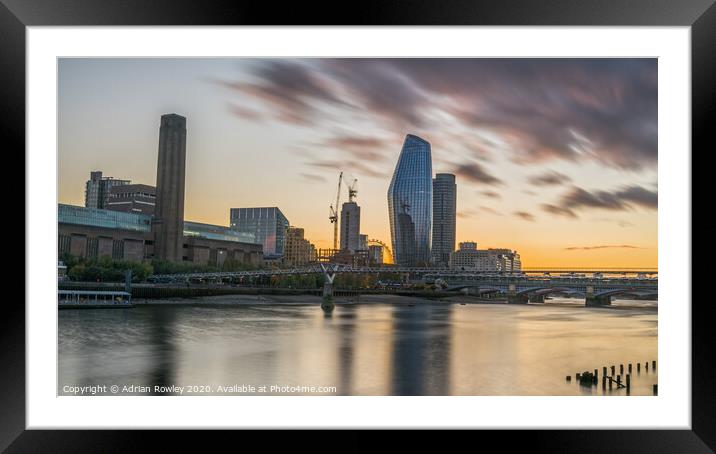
382	346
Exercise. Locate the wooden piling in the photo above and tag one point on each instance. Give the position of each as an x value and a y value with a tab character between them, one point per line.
628	381
604	382
630	368
653	365
613	371
646	366
654	389
621	368
604	371
569	378
638	367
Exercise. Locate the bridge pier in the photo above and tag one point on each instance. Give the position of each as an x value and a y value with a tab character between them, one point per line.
517	299
535	298
327	303
598	301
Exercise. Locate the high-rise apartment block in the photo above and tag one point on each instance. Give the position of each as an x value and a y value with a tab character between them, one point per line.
350	227
444	218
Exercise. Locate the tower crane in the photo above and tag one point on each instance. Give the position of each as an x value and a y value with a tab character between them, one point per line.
353	190
333	217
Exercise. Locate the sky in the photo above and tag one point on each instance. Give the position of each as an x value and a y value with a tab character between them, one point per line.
555	158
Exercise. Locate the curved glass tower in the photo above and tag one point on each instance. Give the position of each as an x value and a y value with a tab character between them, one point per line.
410	203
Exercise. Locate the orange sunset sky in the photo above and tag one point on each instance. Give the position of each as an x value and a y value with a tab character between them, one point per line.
556	158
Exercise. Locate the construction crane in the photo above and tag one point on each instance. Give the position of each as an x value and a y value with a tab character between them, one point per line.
353	190
333	217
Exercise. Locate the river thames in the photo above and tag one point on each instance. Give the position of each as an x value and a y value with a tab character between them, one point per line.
384	346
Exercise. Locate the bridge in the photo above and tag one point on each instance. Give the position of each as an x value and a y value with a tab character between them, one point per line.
520	287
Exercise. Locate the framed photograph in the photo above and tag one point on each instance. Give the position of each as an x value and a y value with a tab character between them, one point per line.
448	216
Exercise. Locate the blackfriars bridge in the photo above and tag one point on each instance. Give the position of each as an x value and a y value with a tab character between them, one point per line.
597	286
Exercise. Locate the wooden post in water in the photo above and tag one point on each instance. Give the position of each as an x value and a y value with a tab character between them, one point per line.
638	367
604	382
653	365
630	368
612	371
654	389
628	382
604	371
646	366
621	368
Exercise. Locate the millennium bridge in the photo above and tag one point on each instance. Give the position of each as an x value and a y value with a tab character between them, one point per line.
597	286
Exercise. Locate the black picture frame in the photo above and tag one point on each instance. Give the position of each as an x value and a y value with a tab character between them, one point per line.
700	15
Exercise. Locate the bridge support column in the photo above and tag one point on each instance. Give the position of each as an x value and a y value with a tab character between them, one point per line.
598	301
534	298
327	303
513	297
473	291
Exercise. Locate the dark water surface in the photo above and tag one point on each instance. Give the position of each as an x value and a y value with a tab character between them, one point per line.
362	349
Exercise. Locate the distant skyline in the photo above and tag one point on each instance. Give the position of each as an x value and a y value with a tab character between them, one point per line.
556	158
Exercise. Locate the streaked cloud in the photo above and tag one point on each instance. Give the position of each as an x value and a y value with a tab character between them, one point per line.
599	109
549	179
476	173
626	198
525	216
607	246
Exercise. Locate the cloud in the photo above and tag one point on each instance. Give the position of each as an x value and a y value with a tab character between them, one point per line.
491	194
525	216
244	113
313	178
560	211
619	222
475	173
490	210
624	199
467	213
589	248
358	147
536	110
549	179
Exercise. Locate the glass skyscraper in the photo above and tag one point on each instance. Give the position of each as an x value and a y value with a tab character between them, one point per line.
267	224
410	203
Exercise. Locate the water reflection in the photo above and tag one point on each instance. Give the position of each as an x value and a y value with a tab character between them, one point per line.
421	350
361	349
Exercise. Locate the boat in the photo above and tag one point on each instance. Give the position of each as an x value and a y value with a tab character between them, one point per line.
93	299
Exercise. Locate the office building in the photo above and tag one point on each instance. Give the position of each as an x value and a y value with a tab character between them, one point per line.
350	227
298	250
469	258
97	189
171	168
362	242
267	224
132	198
444	216
410	204
375	254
